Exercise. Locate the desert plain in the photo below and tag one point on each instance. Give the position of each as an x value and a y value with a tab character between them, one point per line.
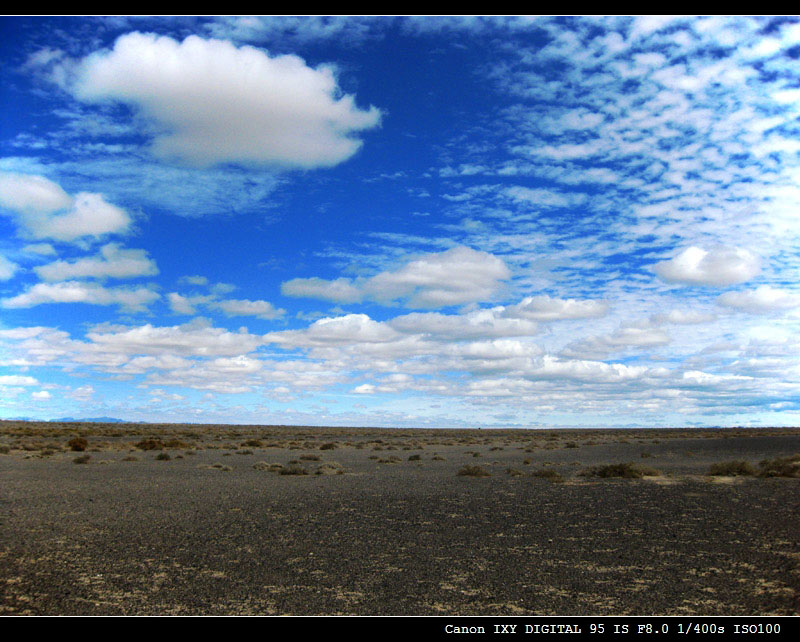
148	519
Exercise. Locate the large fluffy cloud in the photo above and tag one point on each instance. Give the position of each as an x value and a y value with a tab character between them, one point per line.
218	103
44	210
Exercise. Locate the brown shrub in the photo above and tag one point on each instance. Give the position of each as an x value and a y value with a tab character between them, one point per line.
77	444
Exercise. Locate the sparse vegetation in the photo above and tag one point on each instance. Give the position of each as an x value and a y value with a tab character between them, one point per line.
293	469
163	457
625	471
473	471
737	468
83	459
780	467
150	444
330	468
549	474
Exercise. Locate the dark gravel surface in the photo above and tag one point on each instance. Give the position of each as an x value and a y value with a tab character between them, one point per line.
410	537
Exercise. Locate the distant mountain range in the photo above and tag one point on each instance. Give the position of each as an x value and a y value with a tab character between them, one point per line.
93	420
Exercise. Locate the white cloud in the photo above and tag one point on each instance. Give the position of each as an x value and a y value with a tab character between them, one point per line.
36	194
40	395
344	330
454	277
17	380
198	338
180	304
245	308
716	267
681	317
43	249
7	268
113	262
338	291
624	338
545	308
44	210
220	103
764	299
78	292
472	325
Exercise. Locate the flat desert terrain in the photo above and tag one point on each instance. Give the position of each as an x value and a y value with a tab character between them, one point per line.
188	519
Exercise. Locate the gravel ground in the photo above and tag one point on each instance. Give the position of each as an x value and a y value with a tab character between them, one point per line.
207	533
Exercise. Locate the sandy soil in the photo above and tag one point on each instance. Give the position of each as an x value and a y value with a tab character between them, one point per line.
217	529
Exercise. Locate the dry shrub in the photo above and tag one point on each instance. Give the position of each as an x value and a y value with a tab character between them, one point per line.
330	468
77	444
271	467
625	471
780	467
150	444
473	471
734	468
83	459
294	469
549	474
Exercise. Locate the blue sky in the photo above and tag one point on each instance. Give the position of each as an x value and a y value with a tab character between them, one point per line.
431	222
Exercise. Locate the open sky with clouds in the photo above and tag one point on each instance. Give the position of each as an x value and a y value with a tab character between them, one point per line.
426	222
